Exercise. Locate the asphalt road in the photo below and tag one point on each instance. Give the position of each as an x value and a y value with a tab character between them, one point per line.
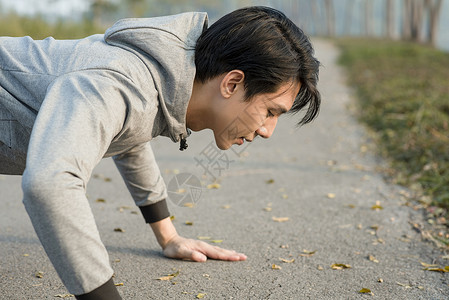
295	204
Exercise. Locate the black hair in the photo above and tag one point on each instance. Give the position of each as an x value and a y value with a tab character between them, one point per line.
268	47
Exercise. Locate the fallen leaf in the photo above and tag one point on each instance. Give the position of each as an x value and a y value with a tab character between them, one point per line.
331	195
380	280
189	223
26	255
63	296
189	204
204	237
373	259
428	265
320	268
169	276
119	284
117	260
307	253
269	181
213	186
39	274
365	291
267	209
172	218
181	191
340	266
118	229
351	205
281	219
200	295
216	241
404	285
100	200
377	206
445	270
226	206
284	196
288	261
275	267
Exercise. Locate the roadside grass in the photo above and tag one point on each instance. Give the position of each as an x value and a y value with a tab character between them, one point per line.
403	97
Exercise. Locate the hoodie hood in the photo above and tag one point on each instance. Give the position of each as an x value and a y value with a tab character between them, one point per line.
166	45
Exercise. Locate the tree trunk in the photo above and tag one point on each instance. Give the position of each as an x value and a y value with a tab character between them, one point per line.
389	15
349	9
406	16
330	13
369	17
417	20
434	16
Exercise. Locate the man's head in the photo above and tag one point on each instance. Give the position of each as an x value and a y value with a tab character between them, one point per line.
262	52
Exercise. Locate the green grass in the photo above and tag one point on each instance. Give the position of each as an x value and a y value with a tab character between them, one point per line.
38	28
403	96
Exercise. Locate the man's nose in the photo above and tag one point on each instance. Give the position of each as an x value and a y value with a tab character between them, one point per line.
267	129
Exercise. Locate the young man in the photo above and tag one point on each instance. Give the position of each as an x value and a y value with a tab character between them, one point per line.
64	105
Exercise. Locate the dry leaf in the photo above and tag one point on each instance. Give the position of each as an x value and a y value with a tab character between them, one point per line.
281	219
284	246
39	274
428	265
373	259
26	255
172	218
189	223
226	206
365	291
189	204
213	186
267	209
100	200
204	237
380	280
377	206
119	284
216	241
118	229
181	191
169	276
288	261
320	268
275	267
351	205
331	195
340	266
200	295
284	196
269	181
307	253
445	270
64	296
404	285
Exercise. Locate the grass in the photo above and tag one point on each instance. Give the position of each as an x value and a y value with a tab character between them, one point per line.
403	97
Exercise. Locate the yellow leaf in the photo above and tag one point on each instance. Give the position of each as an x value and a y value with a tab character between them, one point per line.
351	205
119	229
380	280
275	267
216	241
270	181
281	219
119	284
373	259
376	207
39	274
181	191
437	270
204	237
100	200
428	265
226	206
331	195
213	186
189	223
288	261
340	266
200	295
284	196
172	218
188	204
267	209
365	291
26	254
63	296
307	253
320	268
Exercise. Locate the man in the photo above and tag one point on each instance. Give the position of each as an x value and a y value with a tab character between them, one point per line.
64	105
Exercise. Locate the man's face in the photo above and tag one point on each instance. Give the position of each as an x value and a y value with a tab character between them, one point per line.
238	120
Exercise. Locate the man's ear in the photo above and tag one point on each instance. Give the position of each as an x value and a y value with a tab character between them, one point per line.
232	81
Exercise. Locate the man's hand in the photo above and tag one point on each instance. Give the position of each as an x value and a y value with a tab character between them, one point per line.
182	248
178	247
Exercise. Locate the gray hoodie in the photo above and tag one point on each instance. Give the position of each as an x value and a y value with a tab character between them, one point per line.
66	104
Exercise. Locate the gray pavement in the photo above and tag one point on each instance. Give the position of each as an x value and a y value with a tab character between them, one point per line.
320	177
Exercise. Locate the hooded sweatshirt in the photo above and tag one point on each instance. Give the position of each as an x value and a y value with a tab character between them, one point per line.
66	104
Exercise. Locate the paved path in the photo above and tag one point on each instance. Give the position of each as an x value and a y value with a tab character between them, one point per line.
319	177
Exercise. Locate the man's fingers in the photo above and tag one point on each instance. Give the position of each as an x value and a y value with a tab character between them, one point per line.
215	252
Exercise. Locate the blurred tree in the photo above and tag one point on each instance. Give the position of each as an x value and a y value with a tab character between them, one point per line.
434	8
389	18
100	10
330	17
136	8
349	11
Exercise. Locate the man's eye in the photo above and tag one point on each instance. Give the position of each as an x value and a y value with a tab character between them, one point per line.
269	114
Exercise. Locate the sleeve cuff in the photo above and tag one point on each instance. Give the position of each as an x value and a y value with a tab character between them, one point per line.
155	212
107	291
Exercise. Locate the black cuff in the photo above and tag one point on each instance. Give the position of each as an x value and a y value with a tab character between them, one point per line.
155	212
107	291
